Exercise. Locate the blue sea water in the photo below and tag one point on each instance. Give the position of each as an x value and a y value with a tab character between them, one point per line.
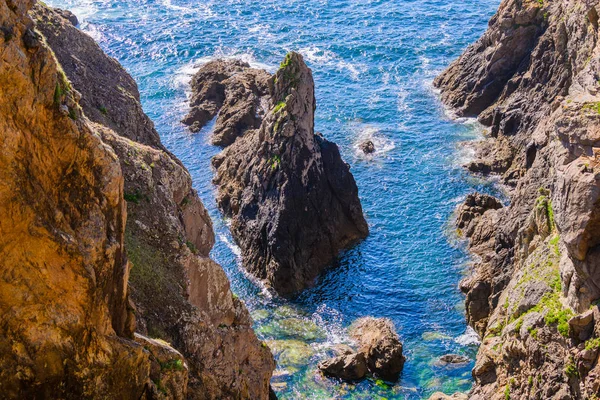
373	62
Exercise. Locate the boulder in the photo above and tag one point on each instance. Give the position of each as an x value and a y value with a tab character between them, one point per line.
581	326
367	147
378	341
351	367
292	200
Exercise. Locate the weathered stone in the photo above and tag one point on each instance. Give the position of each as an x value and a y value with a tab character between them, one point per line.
350	367
293	201
581	326
378	341
238	93
532	78
64	312
180	295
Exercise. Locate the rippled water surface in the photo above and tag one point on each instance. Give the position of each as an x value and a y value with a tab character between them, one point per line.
373	63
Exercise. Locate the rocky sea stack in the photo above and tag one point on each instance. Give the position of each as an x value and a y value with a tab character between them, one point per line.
292	199
533	79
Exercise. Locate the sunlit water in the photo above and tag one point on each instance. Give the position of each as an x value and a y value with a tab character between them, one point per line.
373	63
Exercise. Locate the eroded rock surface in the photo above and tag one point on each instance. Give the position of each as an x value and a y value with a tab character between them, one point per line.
64	312
533	80
237	93
180	295
293	201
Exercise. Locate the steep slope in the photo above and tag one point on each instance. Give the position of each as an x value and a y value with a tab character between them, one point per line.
293	201
533	78
66	330
180	295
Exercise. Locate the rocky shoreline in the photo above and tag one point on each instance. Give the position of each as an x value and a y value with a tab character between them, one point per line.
532	79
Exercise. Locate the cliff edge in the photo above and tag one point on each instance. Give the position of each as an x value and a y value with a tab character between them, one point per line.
534	80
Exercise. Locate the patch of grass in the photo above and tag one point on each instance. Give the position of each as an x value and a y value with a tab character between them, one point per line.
592	344
544	202
571	370
533	332
519	324
592	107
554	245
192	247
507	392
274	161
146	276
103	110
172	365
73	114
58	94
555	312
286	61
279	106
133	197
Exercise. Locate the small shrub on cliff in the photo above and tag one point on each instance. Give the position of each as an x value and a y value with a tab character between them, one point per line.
571	370
279	106
192	247
592	344
103	110
133	197
172	365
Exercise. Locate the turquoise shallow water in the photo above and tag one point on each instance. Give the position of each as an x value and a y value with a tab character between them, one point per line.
373	63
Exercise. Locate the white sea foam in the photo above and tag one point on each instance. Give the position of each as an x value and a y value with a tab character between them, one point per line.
469	338
326	57
235	249
198	9
363	133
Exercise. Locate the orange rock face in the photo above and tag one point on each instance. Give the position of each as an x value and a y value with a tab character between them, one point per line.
63	274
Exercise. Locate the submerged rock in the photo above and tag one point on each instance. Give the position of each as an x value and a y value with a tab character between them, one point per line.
292	199
291	353
297	328
453	359
443	396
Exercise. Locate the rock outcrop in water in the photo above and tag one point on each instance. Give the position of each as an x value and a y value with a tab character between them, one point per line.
68	328
379	353
237	93
533	80
293	201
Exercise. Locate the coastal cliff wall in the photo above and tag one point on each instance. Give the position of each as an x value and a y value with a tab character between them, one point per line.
63	284
534	80
92	201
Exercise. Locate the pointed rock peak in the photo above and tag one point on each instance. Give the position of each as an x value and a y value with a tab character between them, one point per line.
293	98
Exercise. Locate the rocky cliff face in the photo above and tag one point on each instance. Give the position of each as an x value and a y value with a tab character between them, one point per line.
66	330
293	201
533	79
65	237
